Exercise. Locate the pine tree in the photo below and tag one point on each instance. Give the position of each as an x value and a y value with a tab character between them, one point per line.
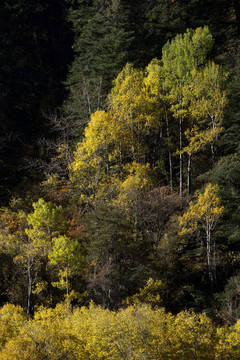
102	42
35	50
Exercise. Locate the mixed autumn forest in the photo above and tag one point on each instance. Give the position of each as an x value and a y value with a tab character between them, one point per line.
119	187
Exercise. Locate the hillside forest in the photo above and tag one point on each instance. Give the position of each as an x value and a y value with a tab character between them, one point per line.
119	187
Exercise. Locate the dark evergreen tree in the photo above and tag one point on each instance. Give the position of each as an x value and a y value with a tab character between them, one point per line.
102	43
230	140
35	50
236	4
226	174
118	256
165	19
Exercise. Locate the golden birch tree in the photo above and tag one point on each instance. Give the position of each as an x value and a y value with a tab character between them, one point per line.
204	214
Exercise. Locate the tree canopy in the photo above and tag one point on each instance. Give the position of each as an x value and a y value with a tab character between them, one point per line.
119	160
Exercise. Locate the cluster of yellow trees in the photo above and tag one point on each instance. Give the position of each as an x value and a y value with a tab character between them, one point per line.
156	122
175	106
136	332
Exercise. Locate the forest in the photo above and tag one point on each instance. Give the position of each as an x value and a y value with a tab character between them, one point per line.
119	187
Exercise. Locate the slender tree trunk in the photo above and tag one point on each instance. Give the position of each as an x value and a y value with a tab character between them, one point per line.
180	158
29	291
67	284
214	264
170	170
209	255
189	173
29	276
87	98
169	153
213	153
132	135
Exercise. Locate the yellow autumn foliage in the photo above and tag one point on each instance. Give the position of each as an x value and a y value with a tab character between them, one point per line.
137	332
204	213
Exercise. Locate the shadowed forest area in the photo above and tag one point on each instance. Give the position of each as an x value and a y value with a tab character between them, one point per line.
119	187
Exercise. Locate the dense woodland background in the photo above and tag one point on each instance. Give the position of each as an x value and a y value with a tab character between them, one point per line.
119	154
